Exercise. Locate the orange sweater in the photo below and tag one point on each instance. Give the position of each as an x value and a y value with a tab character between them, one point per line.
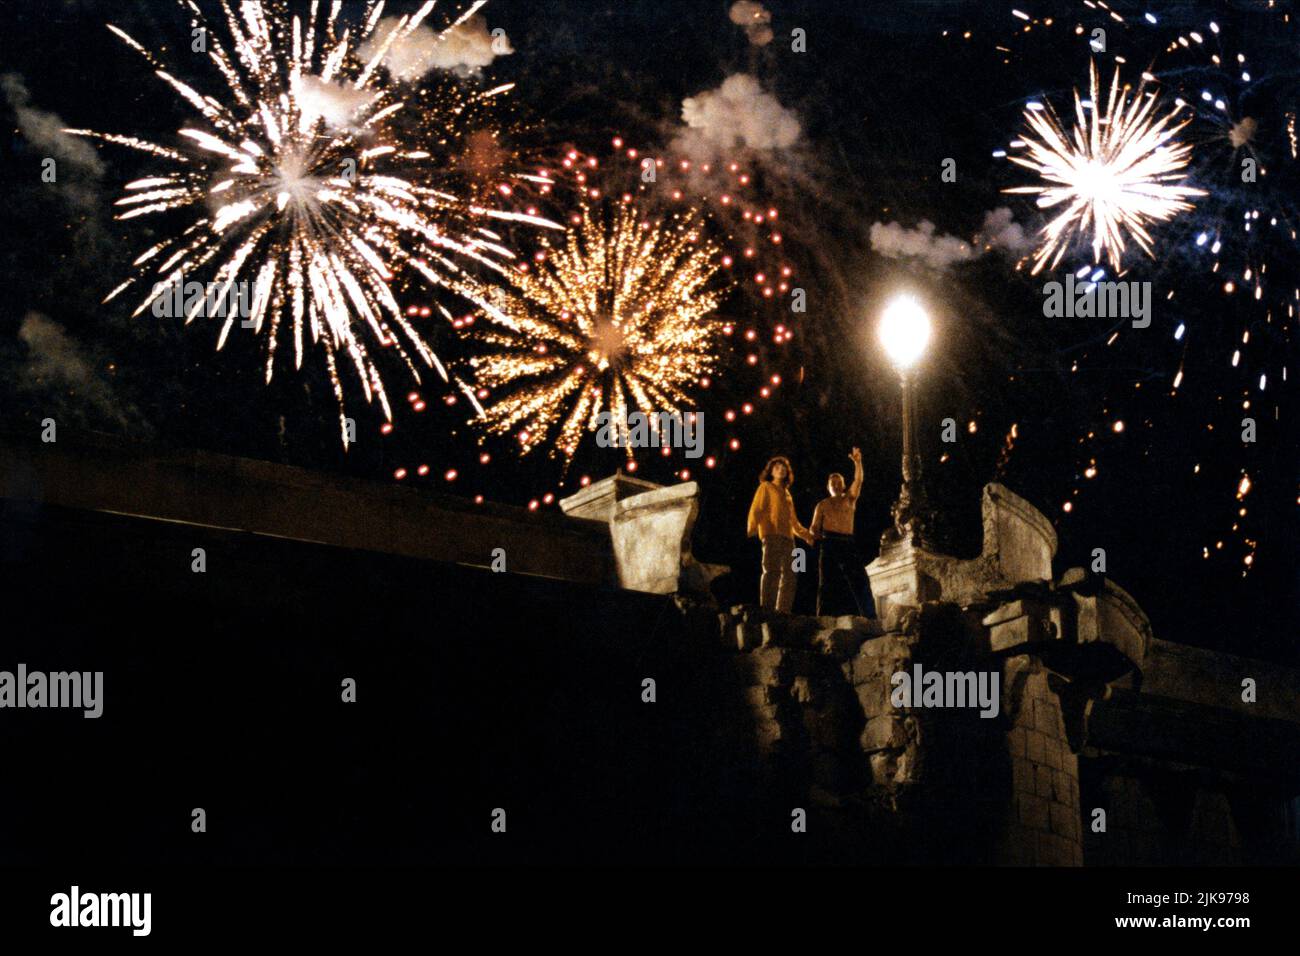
772	513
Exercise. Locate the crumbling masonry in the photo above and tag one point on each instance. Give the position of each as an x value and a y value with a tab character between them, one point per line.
1108	747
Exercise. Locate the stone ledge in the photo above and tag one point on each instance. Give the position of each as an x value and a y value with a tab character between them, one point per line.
747	626
90	472
599	500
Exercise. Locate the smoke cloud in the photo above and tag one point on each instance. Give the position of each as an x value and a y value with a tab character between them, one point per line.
938	251
756	20
45	131
338	105
463	49
738	113
999	233
78	170
66	381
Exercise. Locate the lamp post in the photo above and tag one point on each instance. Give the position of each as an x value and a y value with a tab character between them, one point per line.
905	333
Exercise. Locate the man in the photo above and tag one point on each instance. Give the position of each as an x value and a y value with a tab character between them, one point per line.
842	585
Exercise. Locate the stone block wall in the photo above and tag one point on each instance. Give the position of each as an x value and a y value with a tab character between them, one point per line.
797	678
1043	824
1135	835
1163	816
892	784
1213	830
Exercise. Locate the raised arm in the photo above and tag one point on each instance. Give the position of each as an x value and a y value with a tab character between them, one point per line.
855	489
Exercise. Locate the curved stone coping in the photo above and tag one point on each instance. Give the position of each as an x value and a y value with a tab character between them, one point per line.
1000	496
665	497
1209	678
1019	541
1137	643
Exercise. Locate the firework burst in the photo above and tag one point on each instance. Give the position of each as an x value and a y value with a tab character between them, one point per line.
1245	128
750	361
620	318
1118	171
313	184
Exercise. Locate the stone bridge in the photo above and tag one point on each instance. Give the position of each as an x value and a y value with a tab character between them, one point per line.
1109	745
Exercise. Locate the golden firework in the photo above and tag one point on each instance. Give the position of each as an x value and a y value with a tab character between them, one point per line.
620	318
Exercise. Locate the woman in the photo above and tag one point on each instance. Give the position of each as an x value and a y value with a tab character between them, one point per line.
772	518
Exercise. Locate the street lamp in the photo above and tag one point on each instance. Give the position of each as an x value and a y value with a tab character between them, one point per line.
905	332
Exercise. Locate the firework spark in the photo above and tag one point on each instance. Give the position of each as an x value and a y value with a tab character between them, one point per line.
1119	171
304	187
619	319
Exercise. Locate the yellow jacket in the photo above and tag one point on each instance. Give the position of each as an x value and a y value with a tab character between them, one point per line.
772	513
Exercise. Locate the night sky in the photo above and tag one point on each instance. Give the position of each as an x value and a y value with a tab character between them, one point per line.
884	93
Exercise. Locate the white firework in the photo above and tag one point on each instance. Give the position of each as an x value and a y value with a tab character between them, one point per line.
1118	171
313	182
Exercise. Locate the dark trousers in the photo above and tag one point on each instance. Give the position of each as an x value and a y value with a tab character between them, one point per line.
842	585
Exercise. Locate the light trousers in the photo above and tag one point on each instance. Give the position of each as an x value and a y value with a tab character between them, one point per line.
776	587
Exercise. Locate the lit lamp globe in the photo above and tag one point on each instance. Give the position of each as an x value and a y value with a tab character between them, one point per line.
905	331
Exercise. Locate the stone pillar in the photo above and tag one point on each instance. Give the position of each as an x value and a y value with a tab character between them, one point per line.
1059	646
650	527
1043	825
652	542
